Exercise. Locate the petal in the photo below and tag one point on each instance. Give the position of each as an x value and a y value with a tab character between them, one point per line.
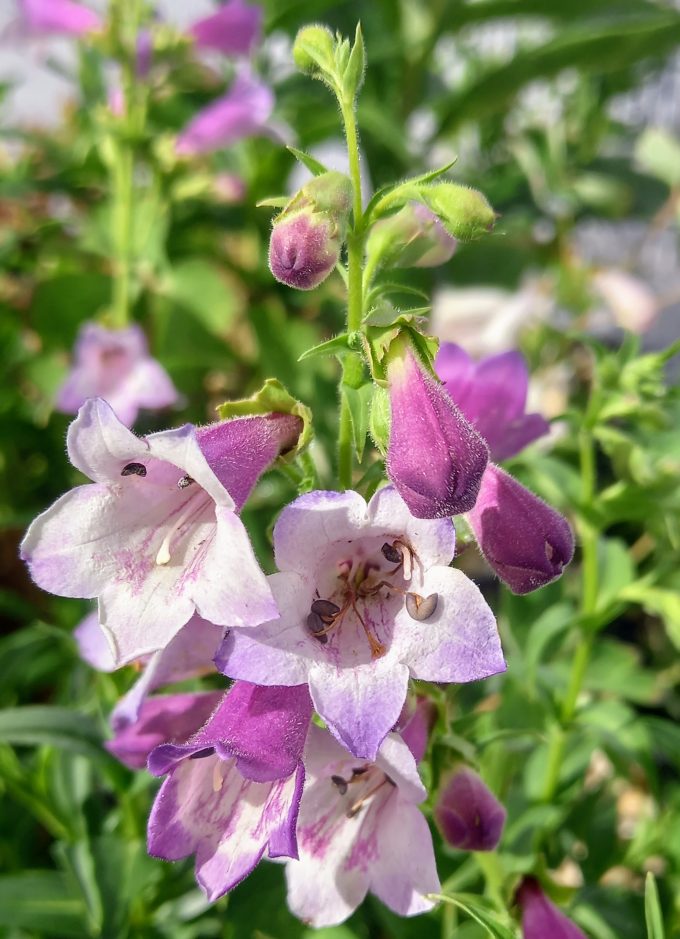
150	385
360	705
93	646
180	447
278	652
519	435
99	444
457	371
459	642
232	30
313	521
433	540
405	868
229	587
396	759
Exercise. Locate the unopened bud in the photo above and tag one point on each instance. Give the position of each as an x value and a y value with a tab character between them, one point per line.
464	212
313	49
540	917
412	237
468	814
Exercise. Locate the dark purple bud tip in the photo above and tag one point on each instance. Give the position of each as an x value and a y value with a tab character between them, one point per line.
468	814
526	542
303	250
540	917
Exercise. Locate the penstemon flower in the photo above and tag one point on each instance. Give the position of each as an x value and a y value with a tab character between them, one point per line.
156	533
59	17
366	599
540	917
233	29
468	814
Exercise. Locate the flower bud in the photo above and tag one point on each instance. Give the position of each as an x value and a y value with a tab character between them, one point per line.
313	48
435	457
412	237
525	541
307	236
468	814
540	917
465	212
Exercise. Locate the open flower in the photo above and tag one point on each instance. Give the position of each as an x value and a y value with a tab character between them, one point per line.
435	458
116	365
492	394
242	112
366	599
233	29
59	17
468	814
156	536
233	789
360	830
540	917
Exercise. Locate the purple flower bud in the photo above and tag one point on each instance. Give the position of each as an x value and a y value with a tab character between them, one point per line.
468	814
525	541
304	249
492	394
59	16
540	917
240	450
435	458
234	29
412	237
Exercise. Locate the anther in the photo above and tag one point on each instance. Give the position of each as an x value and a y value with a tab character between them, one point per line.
421	608
185	481
317	628
340	784
134	469
326	610
392	553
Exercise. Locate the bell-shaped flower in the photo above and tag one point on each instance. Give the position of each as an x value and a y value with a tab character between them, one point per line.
116	365
366	599
541	919
242	112
234	788
526	542
156	536
468	814
492	394
435	458
159	720
233	30
59	17
360	830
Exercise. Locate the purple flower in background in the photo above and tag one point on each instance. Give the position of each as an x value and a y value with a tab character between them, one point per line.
234	29
366	598
468	814
155	537
242	112
233	789
435	458
526	542
359	830
59	16
492	395
160	720
116	365
540	917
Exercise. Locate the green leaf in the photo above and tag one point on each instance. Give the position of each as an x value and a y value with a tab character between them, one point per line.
203	289
395	195
41	901
274	202
42	725
353	77
338	345
272	398
653	916
658	152
478	911
359	402
658	602
313	165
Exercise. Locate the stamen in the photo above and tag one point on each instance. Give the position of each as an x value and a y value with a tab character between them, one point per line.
392	553
317	629
326	610
340	784
134	469
163	556
218	778
357	806
421	608
377	647
185	481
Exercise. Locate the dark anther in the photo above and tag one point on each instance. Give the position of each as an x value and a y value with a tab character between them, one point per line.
134	469
317	628
201	754
326	610
184	482
421	608
391	553
340	784
359	771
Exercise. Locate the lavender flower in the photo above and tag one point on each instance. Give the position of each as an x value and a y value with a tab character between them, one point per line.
540	917
468	814
359	829
242	112
366	598
156	535
492	395
435	458
116	365
234	29
233	789
59	16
